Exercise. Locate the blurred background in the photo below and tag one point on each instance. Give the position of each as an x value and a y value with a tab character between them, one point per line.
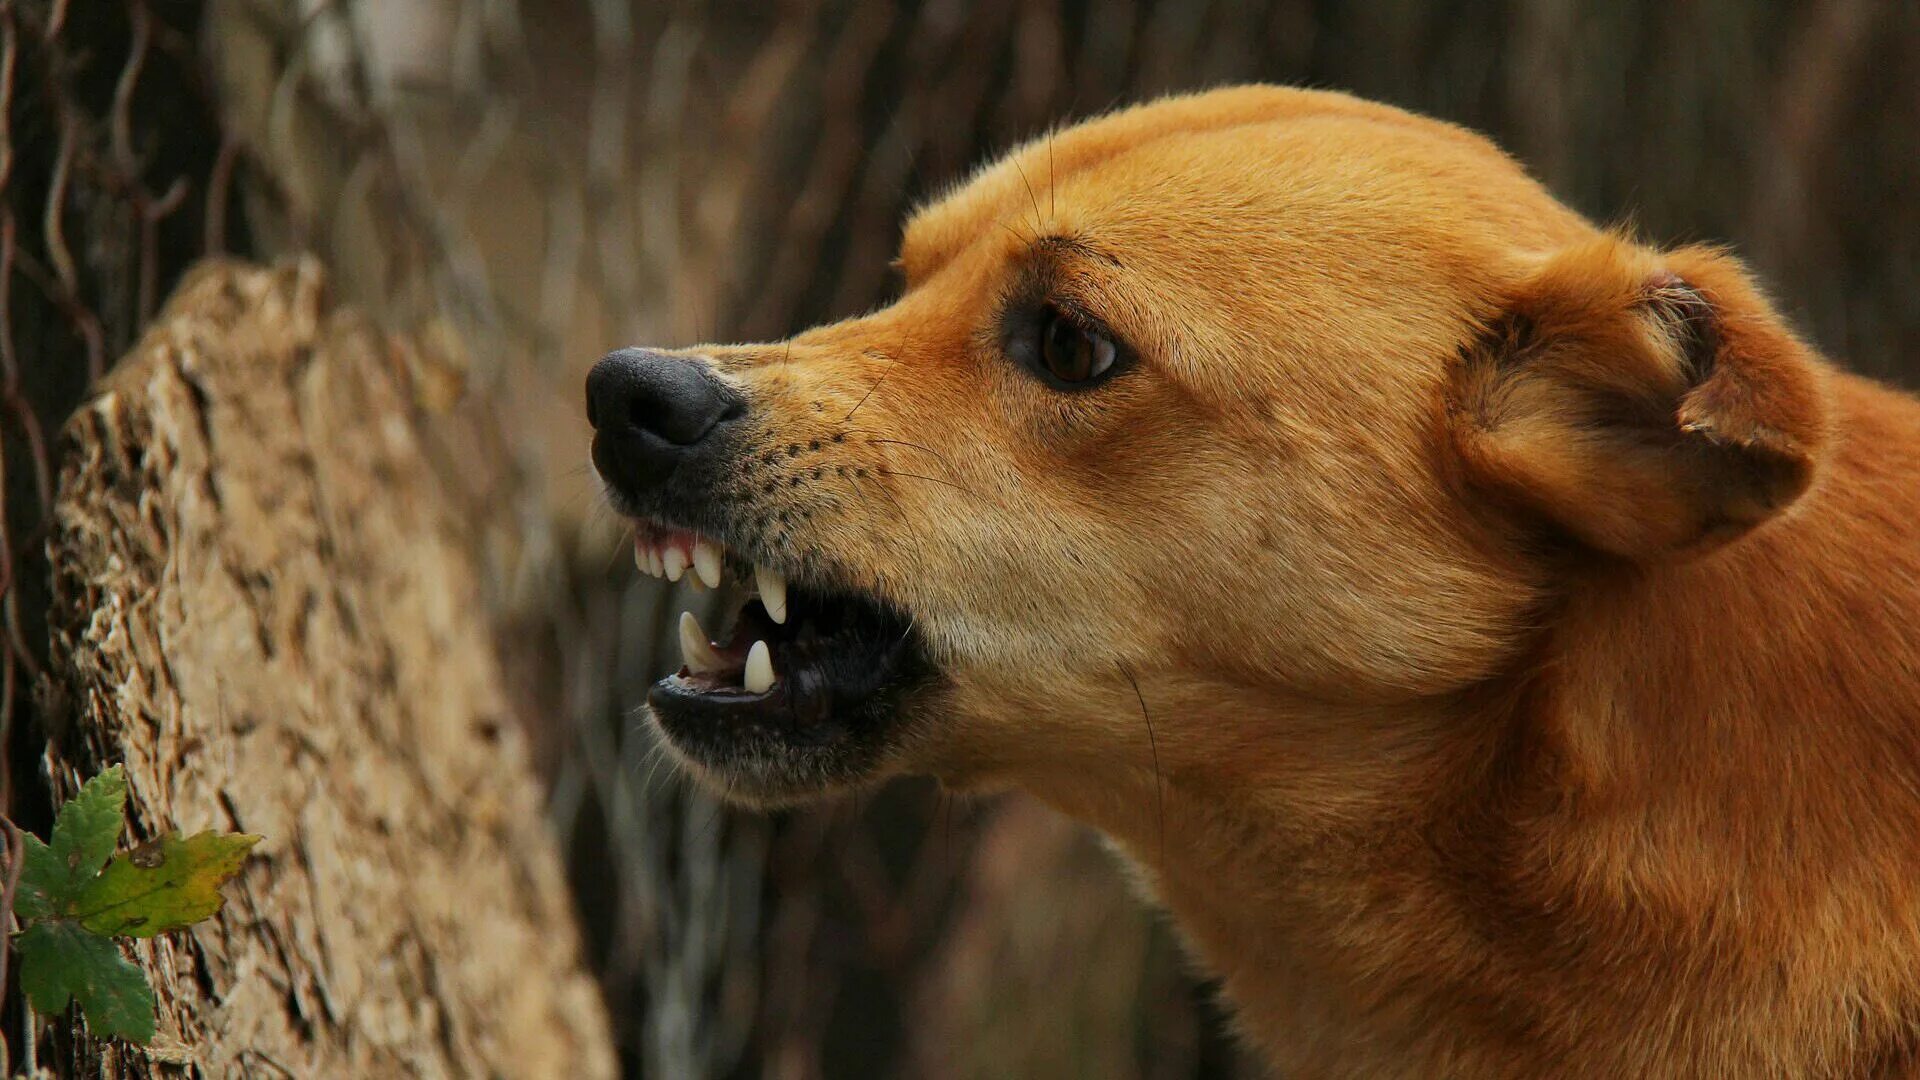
525	184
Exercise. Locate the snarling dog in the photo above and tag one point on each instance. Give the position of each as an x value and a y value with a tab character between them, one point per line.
1496	640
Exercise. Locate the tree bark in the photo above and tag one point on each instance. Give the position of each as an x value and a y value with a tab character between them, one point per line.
266	604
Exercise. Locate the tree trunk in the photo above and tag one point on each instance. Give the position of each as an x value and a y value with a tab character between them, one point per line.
265	604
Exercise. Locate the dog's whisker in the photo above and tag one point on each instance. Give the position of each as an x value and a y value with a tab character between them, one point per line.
613	557
1153	744
1053	174
932	480
711	831
884	372
1039	223
657	756
937	456
1025	241
913	537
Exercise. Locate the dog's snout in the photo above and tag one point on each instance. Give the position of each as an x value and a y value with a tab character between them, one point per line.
656	397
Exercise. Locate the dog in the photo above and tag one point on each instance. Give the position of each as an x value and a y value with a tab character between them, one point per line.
1493	638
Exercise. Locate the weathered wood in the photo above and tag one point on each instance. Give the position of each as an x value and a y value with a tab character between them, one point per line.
267	605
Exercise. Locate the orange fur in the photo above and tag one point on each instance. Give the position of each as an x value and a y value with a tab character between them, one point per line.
1494	639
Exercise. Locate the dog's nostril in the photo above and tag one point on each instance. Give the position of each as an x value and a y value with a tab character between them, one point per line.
640	415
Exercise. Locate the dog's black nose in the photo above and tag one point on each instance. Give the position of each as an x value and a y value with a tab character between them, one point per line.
652	411
656	398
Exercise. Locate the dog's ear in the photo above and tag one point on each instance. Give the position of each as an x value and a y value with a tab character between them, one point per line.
1645	403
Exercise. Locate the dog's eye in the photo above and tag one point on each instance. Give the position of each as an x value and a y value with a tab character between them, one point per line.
1072	353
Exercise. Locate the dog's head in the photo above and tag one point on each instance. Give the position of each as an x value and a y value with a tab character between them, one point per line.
1262	406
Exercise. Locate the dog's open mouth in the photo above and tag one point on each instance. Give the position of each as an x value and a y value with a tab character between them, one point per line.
800	669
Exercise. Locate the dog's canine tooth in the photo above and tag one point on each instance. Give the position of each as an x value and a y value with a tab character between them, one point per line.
706	562
773	592
676	561
758	678
695	650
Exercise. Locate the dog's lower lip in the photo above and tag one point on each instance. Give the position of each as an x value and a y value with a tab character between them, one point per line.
720	717
680	684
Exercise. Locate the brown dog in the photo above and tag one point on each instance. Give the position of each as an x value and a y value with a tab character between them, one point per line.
1496	640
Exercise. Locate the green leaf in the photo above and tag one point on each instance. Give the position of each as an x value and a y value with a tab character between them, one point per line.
43	881
168	883
75	895
83	837
88	827
59	960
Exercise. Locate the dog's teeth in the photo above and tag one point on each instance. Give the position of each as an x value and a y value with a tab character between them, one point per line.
695	650
758	678
773	592
676	562
706	562
640	554
654	566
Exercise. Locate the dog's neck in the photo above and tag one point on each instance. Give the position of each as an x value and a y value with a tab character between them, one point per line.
1263	827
